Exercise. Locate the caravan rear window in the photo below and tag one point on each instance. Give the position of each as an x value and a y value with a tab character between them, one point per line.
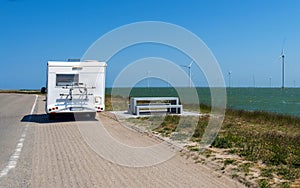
66	79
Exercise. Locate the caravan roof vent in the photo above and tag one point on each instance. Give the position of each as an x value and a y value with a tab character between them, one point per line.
73	60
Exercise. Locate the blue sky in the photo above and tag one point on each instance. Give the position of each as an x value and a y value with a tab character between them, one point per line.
246	37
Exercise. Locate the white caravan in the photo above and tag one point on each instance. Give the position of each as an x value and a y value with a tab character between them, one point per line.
75	87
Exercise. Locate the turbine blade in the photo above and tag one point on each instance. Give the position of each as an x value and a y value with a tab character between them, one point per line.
282	47
283	43
277	59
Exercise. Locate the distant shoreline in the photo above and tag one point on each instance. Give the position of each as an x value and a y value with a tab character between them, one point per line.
21	91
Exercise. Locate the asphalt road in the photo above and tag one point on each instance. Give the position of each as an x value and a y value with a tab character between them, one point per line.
67	153
13	108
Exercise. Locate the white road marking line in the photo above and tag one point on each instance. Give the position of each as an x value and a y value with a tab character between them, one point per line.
12	163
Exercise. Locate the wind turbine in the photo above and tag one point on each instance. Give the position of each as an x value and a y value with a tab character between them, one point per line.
282	56
229	78
282	59
148	78
190	71
253	78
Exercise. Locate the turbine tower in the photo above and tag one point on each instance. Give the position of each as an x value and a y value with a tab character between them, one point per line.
190	71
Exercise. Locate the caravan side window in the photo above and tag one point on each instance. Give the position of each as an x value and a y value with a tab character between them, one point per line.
67	79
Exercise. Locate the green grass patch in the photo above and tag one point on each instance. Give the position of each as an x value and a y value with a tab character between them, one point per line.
267	172
228	161
220	142
193	148
245	167
263	183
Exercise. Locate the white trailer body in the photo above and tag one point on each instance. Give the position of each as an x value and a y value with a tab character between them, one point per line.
75	87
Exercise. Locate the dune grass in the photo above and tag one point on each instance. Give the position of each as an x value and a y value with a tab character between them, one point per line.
260	137
277	145
263	137
116	103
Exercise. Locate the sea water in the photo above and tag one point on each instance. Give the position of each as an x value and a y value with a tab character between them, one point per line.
276	100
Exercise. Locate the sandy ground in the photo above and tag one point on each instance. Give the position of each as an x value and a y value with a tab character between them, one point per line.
65	153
